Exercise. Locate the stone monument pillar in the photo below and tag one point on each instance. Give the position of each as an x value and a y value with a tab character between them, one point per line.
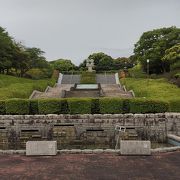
90	64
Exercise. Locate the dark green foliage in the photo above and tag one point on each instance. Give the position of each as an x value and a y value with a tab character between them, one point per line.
17	106
111	105
148	106
49	106
87	106
153	44
126	106
174	105
2	107
80	106
64	106
33	106
95	109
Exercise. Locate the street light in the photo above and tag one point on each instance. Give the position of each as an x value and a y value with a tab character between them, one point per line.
148	67
147	73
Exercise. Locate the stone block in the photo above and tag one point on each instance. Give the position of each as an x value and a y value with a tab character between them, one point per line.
41	148
135	147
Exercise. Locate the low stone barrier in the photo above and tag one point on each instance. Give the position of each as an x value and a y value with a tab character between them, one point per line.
135	147
41	148
16	130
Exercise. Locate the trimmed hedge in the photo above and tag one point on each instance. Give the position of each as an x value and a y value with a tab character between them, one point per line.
148	106
33	106
174	105
87	106
111	105
2	107
49	106
80	106
95	109
17	106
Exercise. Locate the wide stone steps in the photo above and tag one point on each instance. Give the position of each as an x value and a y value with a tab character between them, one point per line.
55	92
71	79
115	90
105	79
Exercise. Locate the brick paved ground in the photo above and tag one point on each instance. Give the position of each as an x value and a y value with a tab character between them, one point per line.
93	166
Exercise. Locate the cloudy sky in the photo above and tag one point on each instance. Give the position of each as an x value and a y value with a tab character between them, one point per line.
73	29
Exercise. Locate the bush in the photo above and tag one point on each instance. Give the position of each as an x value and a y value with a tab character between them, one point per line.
126	106
95	109
49	106
174	105
33	106
148	106
17	106
80	106
64	106
88	78
111	105
2	108
37	73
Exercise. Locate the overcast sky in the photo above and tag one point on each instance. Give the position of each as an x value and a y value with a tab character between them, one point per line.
73	29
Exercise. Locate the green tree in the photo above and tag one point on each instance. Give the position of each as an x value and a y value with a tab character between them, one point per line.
6	51
122	63
63	65
172	55
153	44
101	61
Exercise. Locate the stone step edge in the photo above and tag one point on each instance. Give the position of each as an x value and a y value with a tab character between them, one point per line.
94	151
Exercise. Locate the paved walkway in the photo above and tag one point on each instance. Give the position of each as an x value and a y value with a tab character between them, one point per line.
93	166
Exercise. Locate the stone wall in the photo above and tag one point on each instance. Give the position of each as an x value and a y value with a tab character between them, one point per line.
85	131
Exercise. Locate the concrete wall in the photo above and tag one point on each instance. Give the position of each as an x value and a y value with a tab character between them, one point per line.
88	130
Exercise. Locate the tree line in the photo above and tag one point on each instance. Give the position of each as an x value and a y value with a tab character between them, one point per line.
161	47
17	59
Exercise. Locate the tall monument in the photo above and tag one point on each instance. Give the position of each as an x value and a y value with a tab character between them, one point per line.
90	64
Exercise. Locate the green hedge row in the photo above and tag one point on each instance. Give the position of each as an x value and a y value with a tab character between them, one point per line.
83	106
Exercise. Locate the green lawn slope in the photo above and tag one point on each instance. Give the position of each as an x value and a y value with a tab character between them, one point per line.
14	87
155	89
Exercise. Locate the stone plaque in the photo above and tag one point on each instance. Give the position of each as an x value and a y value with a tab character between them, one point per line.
40	148
135	147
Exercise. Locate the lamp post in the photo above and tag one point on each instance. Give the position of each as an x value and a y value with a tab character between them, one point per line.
148	67
147	73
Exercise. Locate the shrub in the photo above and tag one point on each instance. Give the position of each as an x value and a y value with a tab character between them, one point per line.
49	106
2	108
33	106
126	106
111	105
64	106
17	106
88	78
80	106
37	73
148	106
174	105
95	109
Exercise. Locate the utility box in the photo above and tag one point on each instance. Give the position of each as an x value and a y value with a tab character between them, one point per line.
135	147
41	148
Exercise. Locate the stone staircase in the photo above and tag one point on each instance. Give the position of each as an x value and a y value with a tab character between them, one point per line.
115	90
108	85
71	79
55	92
105	79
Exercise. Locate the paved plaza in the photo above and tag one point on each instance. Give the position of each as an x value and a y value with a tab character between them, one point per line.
91	166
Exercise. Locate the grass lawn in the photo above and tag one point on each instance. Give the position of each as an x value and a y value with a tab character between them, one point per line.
155	89
14	87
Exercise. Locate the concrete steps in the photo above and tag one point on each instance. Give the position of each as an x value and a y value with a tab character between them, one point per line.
55	92
115	90
71	79
105	79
